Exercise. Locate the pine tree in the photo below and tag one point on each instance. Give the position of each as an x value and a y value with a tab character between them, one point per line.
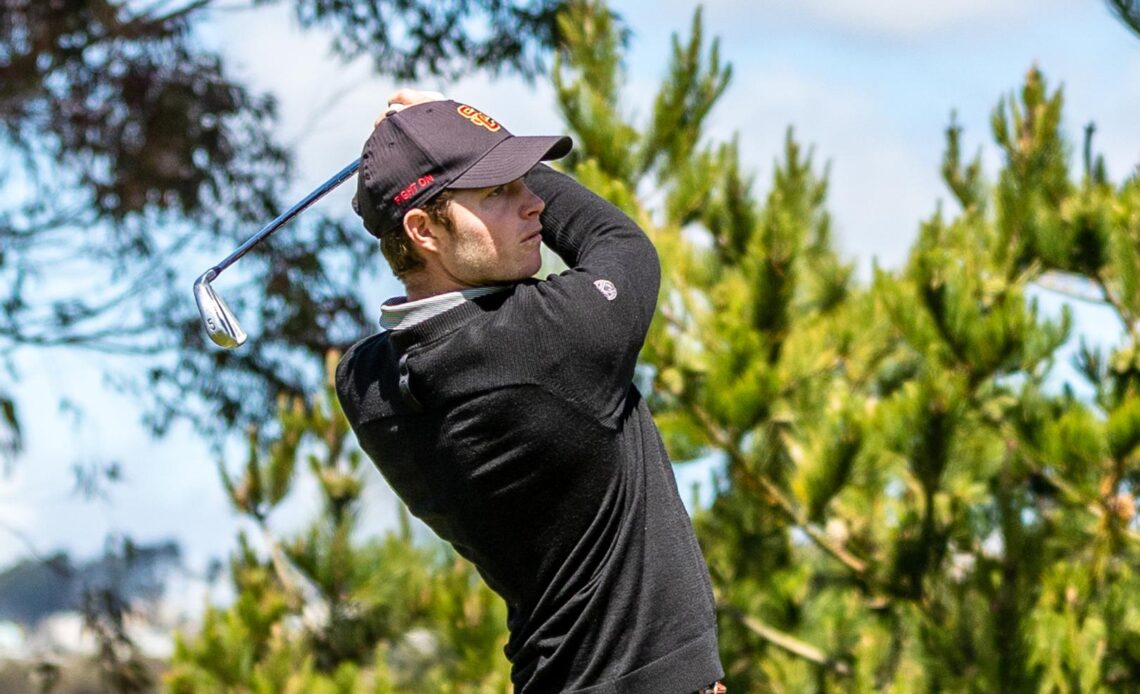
908	502
911	498
328	610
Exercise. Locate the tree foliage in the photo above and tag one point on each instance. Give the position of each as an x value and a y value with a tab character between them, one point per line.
134	157
1128	12
911	498
328	610
448	38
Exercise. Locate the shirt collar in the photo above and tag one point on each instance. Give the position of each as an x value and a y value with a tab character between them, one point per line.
398	313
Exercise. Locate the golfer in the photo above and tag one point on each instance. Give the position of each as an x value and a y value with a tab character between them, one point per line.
501	408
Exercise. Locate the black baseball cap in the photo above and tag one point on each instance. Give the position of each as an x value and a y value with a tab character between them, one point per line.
414	154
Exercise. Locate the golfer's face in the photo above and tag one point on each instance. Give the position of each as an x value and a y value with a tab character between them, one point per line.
497	235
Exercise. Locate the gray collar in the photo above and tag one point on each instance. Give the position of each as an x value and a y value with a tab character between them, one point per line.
399	313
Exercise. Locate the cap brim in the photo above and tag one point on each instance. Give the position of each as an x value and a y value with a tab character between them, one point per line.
511	159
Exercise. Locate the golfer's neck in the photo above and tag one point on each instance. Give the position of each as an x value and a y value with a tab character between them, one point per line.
422	285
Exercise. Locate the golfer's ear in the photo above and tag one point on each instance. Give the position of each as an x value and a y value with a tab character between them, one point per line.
418	227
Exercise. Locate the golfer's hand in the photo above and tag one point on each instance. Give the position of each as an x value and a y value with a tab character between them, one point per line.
403	98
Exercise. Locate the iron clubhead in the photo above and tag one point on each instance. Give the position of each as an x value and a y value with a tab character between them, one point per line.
221	324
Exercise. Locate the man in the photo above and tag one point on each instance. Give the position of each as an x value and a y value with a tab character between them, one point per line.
501	408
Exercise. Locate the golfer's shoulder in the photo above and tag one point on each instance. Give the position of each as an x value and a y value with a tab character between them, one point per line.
360	364
582	302
368	346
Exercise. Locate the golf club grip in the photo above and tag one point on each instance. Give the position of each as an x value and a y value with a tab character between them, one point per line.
340	177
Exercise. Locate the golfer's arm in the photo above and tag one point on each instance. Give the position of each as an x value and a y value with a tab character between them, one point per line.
592	235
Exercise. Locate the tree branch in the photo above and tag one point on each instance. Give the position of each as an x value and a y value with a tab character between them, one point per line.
1055	282
1122	311
93	341
775	497
786	642
149	16
316	612
32	550
1070	494
1128	12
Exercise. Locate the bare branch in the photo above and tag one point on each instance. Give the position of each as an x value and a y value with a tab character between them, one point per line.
1121	309
32	550
1069	286
775	497
152	16
786	642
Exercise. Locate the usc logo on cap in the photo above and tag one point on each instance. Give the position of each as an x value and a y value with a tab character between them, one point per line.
479	118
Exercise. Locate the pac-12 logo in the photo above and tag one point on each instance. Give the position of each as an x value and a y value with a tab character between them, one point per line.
479	118
607	289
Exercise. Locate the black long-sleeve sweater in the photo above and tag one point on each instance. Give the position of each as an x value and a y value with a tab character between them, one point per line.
511	426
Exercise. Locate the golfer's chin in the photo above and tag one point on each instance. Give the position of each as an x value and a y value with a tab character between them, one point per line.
533	266
524	269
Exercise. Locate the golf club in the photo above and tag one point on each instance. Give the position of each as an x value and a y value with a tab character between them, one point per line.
221	325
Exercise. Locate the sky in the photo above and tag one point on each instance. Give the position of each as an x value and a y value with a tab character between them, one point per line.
870	84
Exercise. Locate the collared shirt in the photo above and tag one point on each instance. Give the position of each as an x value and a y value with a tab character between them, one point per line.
399	313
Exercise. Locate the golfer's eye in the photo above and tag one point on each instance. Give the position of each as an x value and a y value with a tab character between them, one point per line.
496	191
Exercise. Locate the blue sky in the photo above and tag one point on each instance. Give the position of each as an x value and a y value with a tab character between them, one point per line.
869	83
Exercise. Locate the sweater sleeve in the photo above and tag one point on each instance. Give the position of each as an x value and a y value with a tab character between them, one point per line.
590	321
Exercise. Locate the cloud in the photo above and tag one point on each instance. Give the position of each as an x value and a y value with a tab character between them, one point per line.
908	19
887	19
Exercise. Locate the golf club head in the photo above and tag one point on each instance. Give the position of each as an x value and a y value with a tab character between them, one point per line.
221	325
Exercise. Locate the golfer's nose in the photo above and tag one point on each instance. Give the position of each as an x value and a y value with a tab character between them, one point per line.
532	204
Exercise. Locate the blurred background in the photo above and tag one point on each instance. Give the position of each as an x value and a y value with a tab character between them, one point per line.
935	202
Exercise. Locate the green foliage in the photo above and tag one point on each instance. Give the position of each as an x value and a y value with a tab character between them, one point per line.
909	501
592	45
327	610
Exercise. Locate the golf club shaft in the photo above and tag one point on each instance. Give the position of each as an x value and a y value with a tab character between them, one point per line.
340	177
